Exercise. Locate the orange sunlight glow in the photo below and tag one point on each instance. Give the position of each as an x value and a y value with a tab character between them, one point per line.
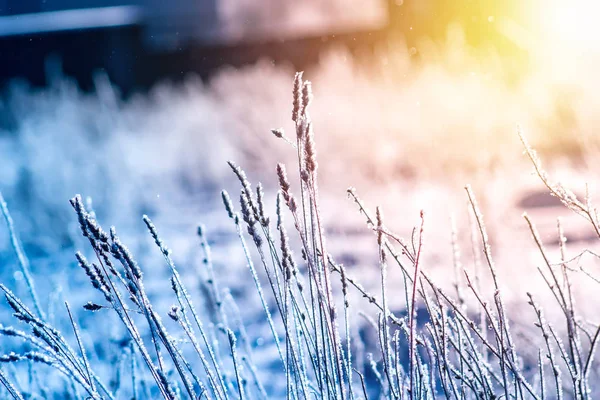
575	23
561	37
571	23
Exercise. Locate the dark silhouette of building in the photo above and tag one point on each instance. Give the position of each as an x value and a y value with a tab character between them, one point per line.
136	42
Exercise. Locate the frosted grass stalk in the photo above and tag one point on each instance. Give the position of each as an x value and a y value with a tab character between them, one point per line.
250	265
22	257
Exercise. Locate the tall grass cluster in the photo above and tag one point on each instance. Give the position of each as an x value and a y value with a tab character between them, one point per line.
311	340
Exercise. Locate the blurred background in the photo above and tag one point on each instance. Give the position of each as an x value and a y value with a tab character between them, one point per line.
137	42
139	104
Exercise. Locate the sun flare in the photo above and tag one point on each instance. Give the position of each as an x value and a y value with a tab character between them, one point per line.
575	23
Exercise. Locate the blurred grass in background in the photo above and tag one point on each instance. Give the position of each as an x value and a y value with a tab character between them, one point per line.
445	111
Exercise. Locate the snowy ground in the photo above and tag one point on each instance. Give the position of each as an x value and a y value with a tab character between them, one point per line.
407	140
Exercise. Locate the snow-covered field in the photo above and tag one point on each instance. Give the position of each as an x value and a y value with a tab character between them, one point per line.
407	136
